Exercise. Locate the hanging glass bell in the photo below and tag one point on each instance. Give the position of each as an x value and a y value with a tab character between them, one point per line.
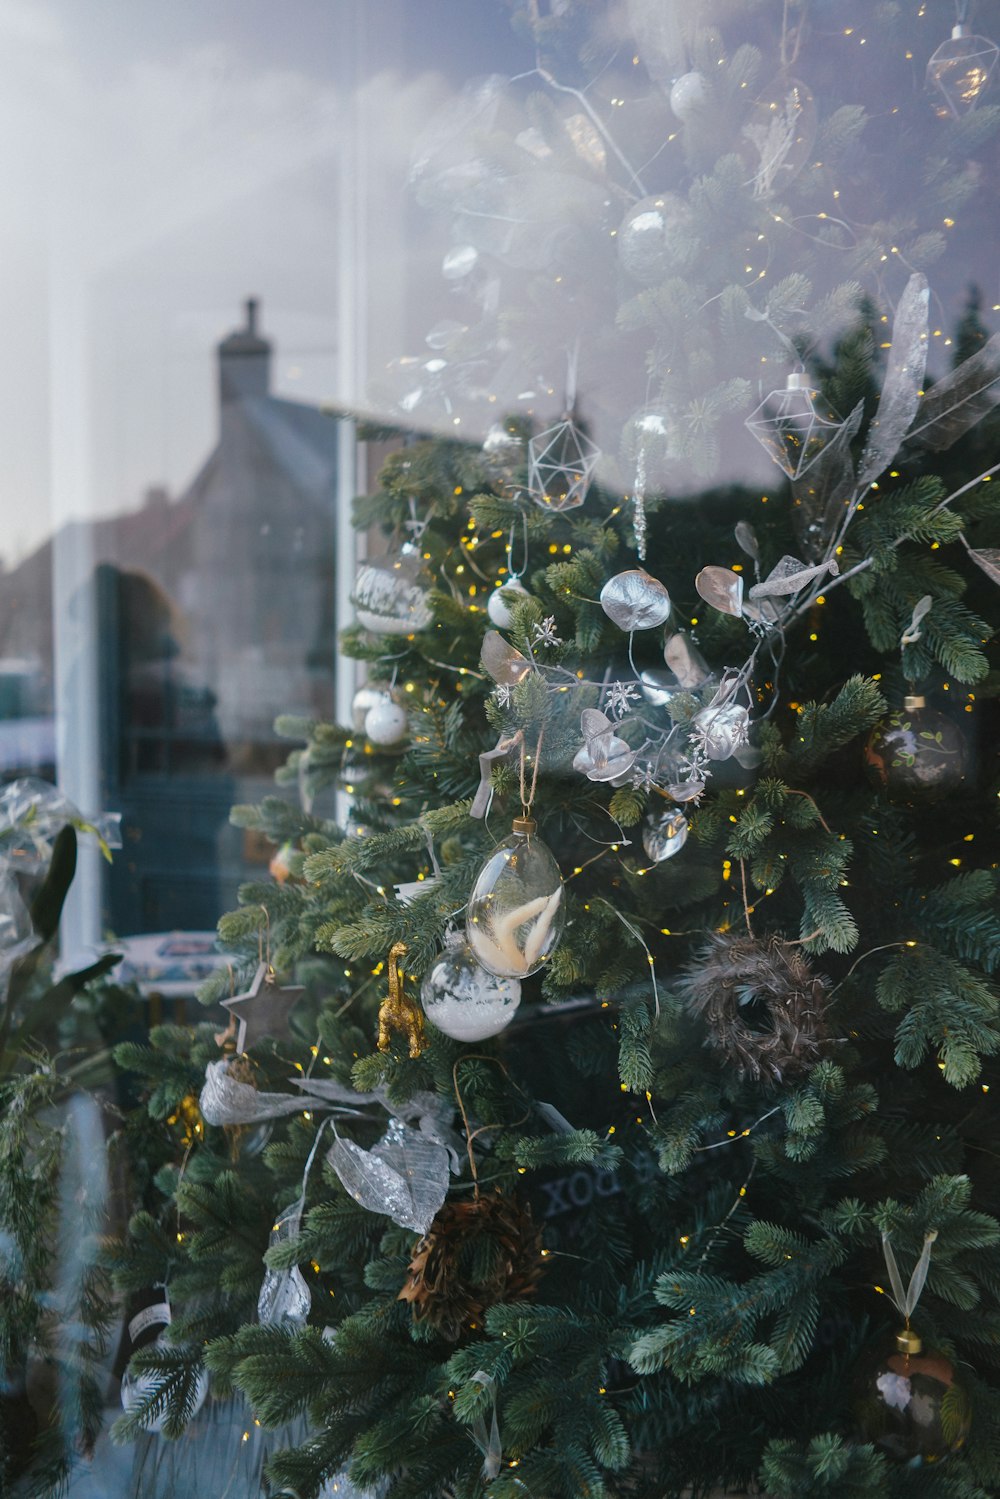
561	464
791	427
462	999
516	910
390	595
960	72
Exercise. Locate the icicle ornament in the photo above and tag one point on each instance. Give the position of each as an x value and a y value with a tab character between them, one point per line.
516	910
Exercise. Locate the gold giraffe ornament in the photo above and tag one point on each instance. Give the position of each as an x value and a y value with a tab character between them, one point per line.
397	1013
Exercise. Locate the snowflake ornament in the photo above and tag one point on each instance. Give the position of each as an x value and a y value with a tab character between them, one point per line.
545	633
621	695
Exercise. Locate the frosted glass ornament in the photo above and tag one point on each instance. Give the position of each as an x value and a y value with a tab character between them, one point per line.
463	999
792	427
498	606
136	1387
516	911
390	595
386	723
664	834
654	238
960	72
688	95
364	699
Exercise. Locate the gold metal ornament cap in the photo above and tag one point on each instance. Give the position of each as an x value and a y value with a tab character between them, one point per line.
907	1341
525	826
913	701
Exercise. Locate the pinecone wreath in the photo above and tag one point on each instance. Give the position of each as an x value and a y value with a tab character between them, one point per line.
474	1255
764	1007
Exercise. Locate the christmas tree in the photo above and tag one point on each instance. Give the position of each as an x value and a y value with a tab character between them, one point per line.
591	1092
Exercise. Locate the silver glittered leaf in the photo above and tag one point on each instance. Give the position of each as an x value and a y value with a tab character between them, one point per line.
635	601
685	661
988	558
960	399
921	609
722	589
904	380
505	664
404	1176
226	1100
789	576
746	539
284	1297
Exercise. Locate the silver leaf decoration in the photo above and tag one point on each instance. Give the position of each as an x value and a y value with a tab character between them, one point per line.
746	540
505	664
960	399
226	1100
820	495
635	601
404	1176
685	661
789	576
487	760
721	588
284	1296
904	380
604	756
988	558
685	791
921	609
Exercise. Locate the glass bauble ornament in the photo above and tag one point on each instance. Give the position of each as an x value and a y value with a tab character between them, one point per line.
664	834
960	72
561	463
688	95
386	723
500	601
463	999
779	135
390	595
136	1387
365	698
794	425
516	910
909	1401
654	238
917	755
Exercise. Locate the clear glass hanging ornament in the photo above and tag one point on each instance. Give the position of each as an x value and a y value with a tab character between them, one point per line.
790	425
561	464
462	998
516	911
390	594
960	72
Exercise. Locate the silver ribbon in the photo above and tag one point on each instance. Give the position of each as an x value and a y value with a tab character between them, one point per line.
905	1301
489	1445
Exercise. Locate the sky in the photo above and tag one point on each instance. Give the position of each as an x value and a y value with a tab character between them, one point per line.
164	162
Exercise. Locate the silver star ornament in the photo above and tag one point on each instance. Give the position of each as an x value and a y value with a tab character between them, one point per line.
264	1009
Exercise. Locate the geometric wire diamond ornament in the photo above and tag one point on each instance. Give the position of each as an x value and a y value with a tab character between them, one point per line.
561	464
960	72
788	425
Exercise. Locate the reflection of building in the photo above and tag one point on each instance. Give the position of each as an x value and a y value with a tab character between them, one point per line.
215	613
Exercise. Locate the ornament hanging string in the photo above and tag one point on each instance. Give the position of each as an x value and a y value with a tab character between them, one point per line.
528	797
470	1133
905	1302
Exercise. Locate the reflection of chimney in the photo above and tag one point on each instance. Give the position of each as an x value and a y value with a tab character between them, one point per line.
244	361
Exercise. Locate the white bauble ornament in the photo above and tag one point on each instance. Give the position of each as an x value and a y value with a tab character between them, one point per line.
688	94
498	606
363	699
516	911
462	999
135	1388
386	723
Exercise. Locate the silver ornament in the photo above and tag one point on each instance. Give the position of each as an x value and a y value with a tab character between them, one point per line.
688	95
390	594
498	606
386	723
462	999
720	731
285	1299
658	686
722	589
604	757
654	239
561	464
459	262
664	834
404	1175
635	601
